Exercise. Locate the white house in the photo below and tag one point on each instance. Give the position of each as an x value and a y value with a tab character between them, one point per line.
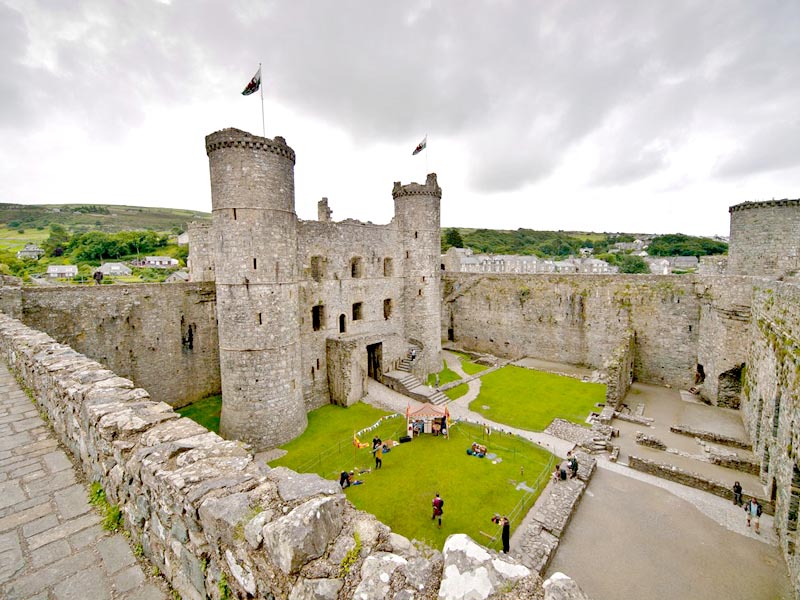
114	268
62	271
30	251
159	262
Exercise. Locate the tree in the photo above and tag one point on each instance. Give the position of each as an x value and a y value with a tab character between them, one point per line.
58	240
630	263
453	238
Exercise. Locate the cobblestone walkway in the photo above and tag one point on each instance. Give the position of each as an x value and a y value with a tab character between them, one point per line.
52	546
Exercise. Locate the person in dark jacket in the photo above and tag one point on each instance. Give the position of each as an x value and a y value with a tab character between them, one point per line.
737	493
506	533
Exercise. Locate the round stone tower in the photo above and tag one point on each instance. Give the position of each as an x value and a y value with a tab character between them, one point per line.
255	248
417	218
765	238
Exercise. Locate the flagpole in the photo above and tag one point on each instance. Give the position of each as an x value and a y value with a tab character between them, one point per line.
426	155
261	88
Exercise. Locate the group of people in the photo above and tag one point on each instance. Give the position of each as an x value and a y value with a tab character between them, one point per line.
571	465
477	449
752	508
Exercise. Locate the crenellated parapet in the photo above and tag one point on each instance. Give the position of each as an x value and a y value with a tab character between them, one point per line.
236	138
429	188
767	204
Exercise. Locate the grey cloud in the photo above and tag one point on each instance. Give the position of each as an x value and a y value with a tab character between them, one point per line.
519	84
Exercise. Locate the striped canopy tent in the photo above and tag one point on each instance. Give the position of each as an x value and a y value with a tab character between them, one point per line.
427	418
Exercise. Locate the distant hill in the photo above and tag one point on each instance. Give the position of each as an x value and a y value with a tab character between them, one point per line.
79	218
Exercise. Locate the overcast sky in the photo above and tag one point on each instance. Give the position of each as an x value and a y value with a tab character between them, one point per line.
637	116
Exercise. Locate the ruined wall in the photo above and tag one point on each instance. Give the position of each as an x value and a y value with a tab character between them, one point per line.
214	522
619	370
723	340
325	254
163	336
578	319
771	405
765	238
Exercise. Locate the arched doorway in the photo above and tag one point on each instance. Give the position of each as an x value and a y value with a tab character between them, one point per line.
342	324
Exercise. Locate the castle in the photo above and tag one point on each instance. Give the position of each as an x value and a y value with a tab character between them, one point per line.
307	310
285	315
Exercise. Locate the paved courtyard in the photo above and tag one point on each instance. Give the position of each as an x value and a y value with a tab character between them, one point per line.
634	536
52	546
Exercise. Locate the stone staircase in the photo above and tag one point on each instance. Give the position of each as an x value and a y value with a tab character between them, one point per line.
409	385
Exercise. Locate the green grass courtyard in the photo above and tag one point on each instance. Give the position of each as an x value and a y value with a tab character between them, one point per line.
400	493
530	399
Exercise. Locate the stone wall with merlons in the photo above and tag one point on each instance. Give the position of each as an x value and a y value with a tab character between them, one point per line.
216	523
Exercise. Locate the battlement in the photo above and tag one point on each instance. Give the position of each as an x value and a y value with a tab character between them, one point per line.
236	138
766	204
429	188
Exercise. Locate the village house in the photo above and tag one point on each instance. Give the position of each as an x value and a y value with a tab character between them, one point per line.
157	262
30	251
62	271
114	268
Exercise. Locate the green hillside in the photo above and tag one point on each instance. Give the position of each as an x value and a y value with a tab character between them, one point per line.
80	218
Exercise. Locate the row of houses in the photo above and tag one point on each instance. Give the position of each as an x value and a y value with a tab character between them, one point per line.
463	260
115	269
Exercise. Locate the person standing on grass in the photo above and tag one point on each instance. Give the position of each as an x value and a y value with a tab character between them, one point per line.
378	456
506	533
438	509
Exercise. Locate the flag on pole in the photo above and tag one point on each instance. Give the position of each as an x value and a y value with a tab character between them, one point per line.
254	85
421	146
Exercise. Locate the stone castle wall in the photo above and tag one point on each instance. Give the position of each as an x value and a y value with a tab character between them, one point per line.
163	336
325	255
578	319
201	260
771	405
765	238
217	524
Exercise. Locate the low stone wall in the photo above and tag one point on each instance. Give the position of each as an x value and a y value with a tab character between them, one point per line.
213	521
710	436
737	463
695	480
649	441
542	530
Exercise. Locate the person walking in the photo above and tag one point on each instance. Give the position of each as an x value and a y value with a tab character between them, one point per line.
737	493
438	508
753	510
506	533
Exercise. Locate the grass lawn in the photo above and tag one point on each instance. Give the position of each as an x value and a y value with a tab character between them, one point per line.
468	365
445	376
532	399
400	493
455	393
205	411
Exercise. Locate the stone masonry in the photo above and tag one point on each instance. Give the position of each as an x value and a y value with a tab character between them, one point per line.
289	291
51	541
214	522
